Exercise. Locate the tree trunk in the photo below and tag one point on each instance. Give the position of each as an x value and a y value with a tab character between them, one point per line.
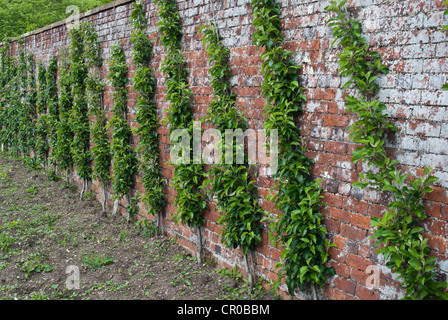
104	198
159	223
82	190
313	290
199	246
68	176
128	199
249	271
115	208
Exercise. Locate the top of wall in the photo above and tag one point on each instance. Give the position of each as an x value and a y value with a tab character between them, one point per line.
65	21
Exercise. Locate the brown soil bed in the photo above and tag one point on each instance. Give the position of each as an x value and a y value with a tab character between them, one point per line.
45	228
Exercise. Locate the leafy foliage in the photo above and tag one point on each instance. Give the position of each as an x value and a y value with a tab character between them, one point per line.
12	116
18	103
6	241
187	177
62	152
42	146
231	183
96	261
33	263
299	229
95	97
12	108
31	101
79	117
404	248
6	66
124	157
145	84
24	115
52	106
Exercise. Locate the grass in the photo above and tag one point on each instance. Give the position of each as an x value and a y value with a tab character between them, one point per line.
96	261
183	277
33	263
6	241
148	228
32	190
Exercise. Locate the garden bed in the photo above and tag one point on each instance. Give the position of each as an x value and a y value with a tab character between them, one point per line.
45	228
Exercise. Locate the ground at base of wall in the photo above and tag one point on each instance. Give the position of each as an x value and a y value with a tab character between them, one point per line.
49	239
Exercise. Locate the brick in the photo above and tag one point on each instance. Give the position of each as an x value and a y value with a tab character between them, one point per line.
360	221
352	232
340	242
324	94
333	226
433	209
341	269
444	212
336	120
336	147
436	242
358	276
340	295
437	195
340	215
356	205
345	285
311	45
439	228
358	262
365	293
337	255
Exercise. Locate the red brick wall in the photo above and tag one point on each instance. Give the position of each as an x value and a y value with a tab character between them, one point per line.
406	33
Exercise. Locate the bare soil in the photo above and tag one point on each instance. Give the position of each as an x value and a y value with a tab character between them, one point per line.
45	228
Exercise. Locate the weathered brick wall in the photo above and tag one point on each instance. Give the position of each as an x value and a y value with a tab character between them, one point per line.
406	33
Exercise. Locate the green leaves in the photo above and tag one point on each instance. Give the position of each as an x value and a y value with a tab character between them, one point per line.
95	96
231	184
404	249
96	261
53	107
356	61
299	229
33	263
124	157
336	6
41	110
187	178
80	145
145	84
169	24
64	134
